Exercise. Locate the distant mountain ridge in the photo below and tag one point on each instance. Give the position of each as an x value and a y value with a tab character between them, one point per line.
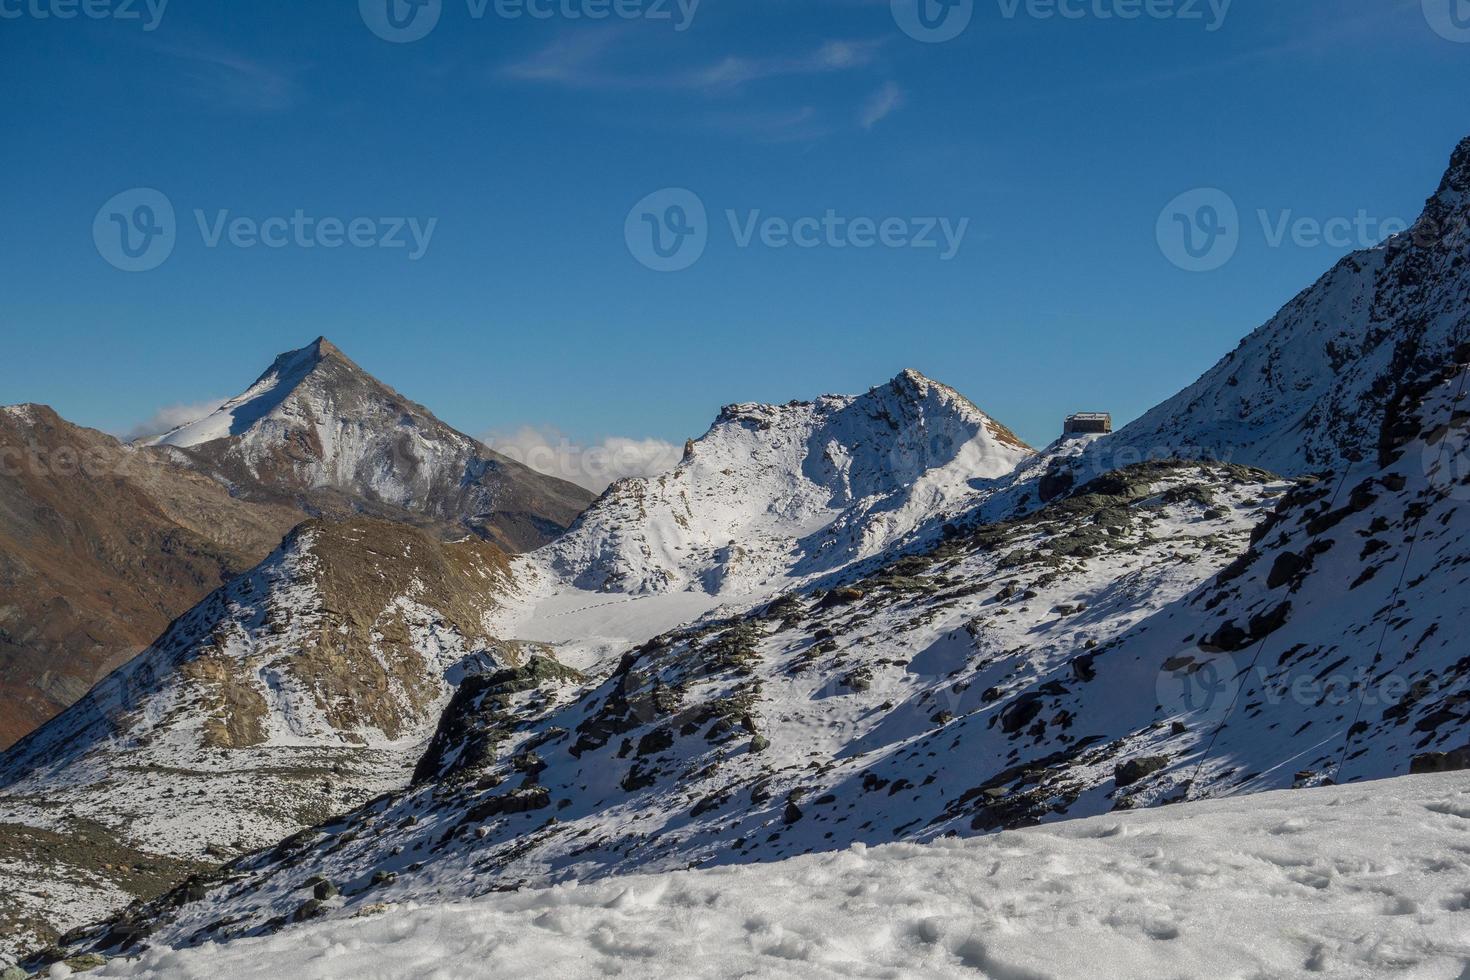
101	545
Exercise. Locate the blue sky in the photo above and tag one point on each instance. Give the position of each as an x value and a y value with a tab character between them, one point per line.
1056	142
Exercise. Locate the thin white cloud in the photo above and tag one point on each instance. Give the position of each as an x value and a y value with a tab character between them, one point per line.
583	61
881	105
171	417
571	60
224	78
832	56
547	450
771	126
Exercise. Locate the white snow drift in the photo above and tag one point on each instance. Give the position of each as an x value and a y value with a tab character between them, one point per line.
1342	881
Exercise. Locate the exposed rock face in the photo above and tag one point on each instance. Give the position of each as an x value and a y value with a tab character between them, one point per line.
296	691
101	545
317	431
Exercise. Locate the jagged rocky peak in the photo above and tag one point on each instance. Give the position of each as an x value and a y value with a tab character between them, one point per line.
892	434
318	430
1457	177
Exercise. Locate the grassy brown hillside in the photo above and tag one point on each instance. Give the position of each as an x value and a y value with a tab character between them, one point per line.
101	546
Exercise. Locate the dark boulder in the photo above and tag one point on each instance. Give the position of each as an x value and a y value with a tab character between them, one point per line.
1130	772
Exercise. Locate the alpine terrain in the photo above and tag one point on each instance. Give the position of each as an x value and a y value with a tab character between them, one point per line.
840	639
102	543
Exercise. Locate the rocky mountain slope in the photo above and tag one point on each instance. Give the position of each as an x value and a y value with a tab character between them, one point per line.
317	431
296	691
100	547
932	632
102	544
1168	632
1309	389
884	709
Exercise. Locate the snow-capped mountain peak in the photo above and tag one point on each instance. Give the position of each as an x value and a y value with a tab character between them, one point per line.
772	492
288	372
321	432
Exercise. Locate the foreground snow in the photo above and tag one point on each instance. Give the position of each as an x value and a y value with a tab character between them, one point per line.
1341	881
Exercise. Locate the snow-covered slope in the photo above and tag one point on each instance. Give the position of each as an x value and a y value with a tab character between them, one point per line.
298	690
1081	659
1309	389
930	632
878	711
1347	881
317	430
773	492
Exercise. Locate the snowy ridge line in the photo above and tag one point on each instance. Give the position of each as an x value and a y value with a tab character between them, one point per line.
1413	539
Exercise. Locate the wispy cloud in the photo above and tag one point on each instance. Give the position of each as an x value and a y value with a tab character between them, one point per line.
882	104
832	56
573	61
224	78
799	125
171	417
585	61
600	61
594	466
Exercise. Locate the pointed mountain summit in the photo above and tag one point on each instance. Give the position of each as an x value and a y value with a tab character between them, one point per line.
319	432
289	372
1309	389
778	491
